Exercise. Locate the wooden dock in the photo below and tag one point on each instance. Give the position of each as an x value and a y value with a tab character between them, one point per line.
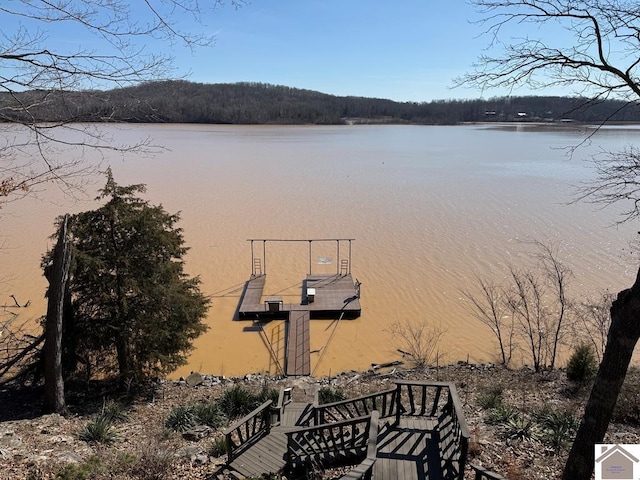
415	431
333	297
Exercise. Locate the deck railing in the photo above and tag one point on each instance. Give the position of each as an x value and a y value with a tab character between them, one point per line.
364	470
248	429
383	402
438	400
329	442
453	438
346	431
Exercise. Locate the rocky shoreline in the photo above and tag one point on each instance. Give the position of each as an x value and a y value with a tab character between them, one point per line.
39	447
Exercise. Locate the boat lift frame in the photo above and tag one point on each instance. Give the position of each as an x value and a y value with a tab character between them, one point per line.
263	268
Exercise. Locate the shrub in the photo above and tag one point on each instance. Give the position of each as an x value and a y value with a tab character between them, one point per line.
521	427
501	414
218	447
181	418
268	394
330	395
558	427
99	430
582	365
90	469
208	414
154	463
116	412
490	397
237	401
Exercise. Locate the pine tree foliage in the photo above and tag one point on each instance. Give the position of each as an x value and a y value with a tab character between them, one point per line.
135	311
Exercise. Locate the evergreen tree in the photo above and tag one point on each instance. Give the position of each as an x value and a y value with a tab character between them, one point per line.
135	311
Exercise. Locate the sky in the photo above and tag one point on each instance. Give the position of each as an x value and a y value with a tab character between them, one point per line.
404	50
409	50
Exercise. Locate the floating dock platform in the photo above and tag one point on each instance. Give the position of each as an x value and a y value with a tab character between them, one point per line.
322	296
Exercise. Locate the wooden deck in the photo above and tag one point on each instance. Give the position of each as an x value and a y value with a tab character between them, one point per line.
268	453
412	432
408	450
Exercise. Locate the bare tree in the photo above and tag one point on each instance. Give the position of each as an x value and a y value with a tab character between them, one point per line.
58	276
38	74
19	349
592	322
420	341
530	309
601	61
489	307
557	275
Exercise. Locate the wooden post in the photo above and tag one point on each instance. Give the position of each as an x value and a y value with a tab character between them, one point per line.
58	275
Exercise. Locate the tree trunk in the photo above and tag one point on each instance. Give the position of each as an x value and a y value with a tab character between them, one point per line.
621	341
57	276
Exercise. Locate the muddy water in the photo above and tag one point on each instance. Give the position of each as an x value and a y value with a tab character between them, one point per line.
429	209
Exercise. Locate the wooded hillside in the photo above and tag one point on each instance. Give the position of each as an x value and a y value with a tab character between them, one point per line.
258	103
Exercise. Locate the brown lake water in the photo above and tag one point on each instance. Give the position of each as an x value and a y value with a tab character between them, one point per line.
430	208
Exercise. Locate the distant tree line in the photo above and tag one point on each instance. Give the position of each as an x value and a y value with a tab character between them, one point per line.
259	103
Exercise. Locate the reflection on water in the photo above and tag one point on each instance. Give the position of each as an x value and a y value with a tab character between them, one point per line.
430	208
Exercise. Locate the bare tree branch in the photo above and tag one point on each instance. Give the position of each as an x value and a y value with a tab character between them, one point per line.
37	75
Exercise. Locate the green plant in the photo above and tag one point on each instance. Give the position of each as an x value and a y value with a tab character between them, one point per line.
147	250
268	394
330	395
181	418
237	401
490	397
582	365
218	447
501	414
116	412
208	414
99	430
558	427
521	427
89	469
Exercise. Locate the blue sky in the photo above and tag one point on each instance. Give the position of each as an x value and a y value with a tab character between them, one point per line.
405	50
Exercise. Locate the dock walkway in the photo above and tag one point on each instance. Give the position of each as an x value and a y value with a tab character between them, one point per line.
298	344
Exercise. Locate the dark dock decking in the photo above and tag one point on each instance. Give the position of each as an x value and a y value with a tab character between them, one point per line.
298	341
322	297
413	431
335	296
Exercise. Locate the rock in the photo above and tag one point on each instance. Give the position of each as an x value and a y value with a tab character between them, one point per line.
197	433
61	439
194	379
190	452
201	459
70	457
9	440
